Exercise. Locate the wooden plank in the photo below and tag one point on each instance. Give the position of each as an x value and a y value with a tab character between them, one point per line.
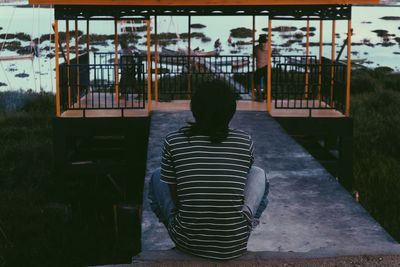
181	105
201	2
105	113
17	57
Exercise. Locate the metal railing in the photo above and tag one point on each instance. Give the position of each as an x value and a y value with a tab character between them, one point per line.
86	86
179	75
301	85
298	82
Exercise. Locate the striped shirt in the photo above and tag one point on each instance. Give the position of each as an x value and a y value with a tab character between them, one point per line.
210	180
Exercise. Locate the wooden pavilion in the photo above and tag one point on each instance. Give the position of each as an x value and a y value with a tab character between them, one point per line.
308	95
77	96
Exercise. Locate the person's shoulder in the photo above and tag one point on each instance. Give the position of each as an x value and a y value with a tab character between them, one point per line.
172	136
240	133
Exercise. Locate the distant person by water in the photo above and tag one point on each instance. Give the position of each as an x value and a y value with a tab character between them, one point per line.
217	45
261	56
208	193
127	82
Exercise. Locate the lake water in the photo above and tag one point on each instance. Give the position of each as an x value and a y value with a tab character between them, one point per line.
37	21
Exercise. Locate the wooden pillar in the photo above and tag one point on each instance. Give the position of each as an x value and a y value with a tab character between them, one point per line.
87	40
189	59
155	60
148	67
333	62
56	40
307	57
77	64
116	62
269	82
252	56
68	61
348	80
321	33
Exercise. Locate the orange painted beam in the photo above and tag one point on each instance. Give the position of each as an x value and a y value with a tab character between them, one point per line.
321	33
155	59
149	98
252	55
201	2
56	40
269	76
78	96
68	61
116	62
307	56
333	61
349	32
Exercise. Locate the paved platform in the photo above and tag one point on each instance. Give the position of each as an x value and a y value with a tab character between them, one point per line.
309	215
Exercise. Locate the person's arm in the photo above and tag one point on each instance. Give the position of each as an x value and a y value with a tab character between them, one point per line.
168	174
174	194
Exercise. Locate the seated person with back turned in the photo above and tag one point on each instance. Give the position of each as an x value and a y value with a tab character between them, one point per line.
208	193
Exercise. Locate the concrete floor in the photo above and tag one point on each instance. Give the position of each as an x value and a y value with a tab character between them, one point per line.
309	212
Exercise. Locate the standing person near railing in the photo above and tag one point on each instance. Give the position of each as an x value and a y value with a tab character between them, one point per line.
127	83
208	193
261	55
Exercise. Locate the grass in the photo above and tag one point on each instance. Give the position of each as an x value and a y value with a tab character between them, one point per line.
46	220
375	106
43	224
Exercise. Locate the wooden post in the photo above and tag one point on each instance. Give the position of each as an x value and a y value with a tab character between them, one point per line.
56	40
321	32
348	83
252	56
333	62
307	57
269	82
189	55
116	62
87	40
148	67
155	59
77	64
68	61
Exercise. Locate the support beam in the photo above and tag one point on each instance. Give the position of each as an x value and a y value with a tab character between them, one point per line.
116	62
252	56
78	98
189	55
269	76
88	39
148	67
348	80
56	41
333	45
68	61
307	57
155	59
321	34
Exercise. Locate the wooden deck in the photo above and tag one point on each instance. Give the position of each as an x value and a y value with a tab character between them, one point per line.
99	105
181	105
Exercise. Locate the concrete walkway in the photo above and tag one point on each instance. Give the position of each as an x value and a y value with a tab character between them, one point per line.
309	213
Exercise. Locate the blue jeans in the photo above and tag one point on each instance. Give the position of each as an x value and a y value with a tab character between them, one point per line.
255	196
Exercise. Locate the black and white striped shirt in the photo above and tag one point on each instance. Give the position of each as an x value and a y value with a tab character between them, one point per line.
210	180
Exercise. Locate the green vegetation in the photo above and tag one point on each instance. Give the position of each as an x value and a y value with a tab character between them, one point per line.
46	220
375	107
25	176
40	224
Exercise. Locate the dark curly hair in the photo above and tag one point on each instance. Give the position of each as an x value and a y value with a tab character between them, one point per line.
213	106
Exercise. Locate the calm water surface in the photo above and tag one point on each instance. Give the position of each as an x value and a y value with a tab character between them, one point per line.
37	21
